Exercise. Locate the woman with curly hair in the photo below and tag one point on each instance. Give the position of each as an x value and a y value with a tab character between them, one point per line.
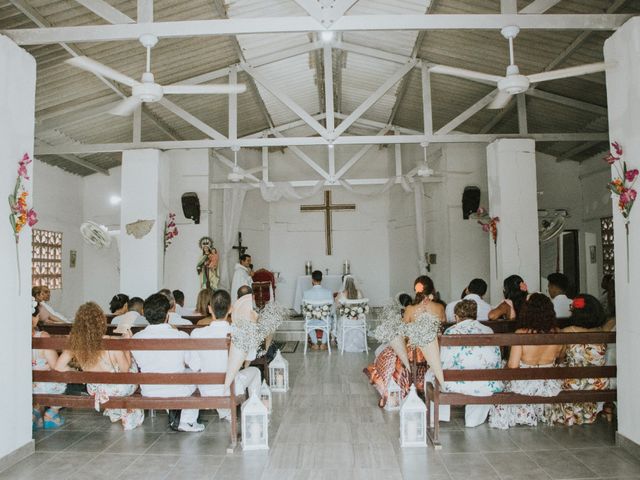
86	346
515	295
537	316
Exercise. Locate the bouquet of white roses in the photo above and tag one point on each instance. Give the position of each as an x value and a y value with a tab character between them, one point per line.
317	312
353	311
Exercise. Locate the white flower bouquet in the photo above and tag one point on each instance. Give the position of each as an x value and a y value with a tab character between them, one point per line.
353	311
315	311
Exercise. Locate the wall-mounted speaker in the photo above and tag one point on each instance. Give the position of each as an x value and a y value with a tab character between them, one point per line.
191	206
470	201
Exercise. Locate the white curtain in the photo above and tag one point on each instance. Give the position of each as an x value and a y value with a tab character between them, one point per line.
280	190
232	202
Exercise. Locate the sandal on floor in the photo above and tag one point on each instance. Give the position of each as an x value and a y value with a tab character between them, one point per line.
52	419
36	419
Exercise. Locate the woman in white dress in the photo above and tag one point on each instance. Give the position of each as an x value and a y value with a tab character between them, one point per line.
354	340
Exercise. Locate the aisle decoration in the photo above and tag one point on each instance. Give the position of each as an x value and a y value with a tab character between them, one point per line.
423	334
20	213
392	330
353	311
490	226
622	186
315	311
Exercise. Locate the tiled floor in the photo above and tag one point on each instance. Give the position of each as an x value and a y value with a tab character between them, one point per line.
326	426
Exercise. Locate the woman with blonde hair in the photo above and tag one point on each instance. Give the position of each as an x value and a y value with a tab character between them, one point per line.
86	346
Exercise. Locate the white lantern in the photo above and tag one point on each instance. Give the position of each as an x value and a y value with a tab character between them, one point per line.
413	421
255	424
279	374
265	395
394	396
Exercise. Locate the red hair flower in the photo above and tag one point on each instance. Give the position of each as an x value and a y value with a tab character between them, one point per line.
578	303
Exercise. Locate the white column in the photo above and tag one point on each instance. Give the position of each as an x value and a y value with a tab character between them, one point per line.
17	98
511	170
623	100
143	187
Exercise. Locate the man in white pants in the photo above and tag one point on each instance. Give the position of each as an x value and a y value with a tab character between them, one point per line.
215	361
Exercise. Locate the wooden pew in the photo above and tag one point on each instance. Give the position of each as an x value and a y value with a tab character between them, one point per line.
435	393
136	400
192	318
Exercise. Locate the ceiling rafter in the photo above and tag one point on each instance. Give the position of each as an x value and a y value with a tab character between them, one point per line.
106	11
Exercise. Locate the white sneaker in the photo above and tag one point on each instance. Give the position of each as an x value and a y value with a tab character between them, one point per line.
190	427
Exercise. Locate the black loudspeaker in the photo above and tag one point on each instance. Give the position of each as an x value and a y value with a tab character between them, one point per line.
470	201
191	206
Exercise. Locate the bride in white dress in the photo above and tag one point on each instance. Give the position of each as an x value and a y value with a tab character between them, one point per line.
354	340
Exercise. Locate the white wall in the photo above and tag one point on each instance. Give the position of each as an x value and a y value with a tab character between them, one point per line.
57	197
17	97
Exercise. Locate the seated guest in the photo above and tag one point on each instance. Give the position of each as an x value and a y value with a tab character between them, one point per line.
215	361
156	311
44	360
469	358
85	341
475	291
349	290
317	293
404	299
133	318
174	318
537	316
42	295
243	311
202	302
119	304
608	297
587	315
178	295
558	285
515	294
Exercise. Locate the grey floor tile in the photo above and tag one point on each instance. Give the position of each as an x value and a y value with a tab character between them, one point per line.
510	465
156	467
24	468
249	465
106	466
59	441
561	464
532	439
195	468
608	462
462	466
189	444
135	441
63	465
98	440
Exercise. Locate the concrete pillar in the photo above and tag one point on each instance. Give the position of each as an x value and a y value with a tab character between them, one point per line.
17	101
144	186
511	170
622	49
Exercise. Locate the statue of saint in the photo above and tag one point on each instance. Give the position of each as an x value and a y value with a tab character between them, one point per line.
207	266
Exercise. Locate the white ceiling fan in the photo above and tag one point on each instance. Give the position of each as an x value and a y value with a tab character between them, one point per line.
514	82
147	90
238	174
424	170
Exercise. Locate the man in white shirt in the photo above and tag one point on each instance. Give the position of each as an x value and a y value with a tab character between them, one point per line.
215	361
174	317
241	275
557	288
475	291
156	308
317	293
133	318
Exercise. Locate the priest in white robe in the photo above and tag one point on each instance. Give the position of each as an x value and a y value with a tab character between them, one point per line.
241	275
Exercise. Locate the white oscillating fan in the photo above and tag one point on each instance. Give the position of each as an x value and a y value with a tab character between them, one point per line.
95	235
550	224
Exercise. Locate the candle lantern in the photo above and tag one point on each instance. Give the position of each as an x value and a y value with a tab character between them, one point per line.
413	421
394	396
255	424
279	374
265	395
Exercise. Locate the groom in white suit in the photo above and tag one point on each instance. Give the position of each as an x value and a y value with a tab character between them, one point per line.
317	293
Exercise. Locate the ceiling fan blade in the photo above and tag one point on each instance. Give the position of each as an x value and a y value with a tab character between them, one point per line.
126	106
203	89
501	101
97	68
464	73
567	72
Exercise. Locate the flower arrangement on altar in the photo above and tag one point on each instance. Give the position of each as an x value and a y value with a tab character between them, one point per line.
353	311
170	230
315	311
622	187
21	214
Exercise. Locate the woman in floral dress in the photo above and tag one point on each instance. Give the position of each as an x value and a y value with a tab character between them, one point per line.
85	339
587	315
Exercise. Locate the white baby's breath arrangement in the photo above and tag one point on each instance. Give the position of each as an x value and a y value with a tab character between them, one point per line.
246	335
423	330
270	318
354	310
391	325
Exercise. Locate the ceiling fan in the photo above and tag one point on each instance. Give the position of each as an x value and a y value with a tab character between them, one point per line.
238	174
147	90
424	170
514	82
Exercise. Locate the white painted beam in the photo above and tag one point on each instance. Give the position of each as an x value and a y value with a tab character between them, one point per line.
233	105
86	164
302	156
265	164
312	7
286	100
192	120
523	127
372	52
106	11
467	114
426	101
145	11
356	158
569	102
539	6
373	98
137	124
339	8
327	59
240	26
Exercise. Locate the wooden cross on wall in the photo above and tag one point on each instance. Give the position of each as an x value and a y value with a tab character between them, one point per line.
239	247
327	208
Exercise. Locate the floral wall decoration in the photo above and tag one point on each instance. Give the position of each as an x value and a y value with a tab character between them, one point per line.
489	225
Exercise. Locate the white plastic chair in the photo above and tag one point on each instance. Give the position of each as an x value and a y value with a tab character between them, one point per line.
311	324
350	324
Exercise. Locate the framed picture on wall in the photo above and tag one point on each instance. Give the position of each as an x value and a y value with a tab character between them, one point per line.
592	254
72	258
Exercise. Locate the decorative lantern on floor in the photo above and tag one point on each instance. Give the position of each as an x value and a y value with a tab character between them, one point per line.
279	374
265	395
394	396
413	421
255	424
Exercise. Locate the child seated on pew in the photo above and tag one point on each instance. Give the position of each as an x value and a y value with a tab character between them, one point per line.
85	340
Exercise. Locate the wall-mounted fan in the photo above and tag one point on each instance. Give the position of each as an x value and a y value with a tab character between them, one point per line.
551	224
96	235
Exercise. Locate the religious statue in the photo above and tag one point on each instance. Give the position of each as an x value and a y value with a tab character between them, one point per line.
207	267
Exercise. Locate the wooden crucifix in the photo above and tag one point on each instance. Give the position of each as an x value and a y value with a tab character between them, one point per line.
239	247
327	208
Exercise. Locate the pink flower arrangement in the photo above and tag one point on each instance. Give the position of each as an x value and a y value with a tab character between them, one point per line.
490	226
170	230
623	184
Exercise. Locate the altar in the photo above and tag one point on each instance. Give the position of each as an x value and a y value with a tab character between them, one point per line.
330	282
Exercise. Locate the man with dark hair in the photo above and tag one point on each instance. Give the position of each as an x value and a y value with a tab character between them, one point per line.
241	274
317	293
557	288
474	291
133	317
156	310
215	361
180	309
174	318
